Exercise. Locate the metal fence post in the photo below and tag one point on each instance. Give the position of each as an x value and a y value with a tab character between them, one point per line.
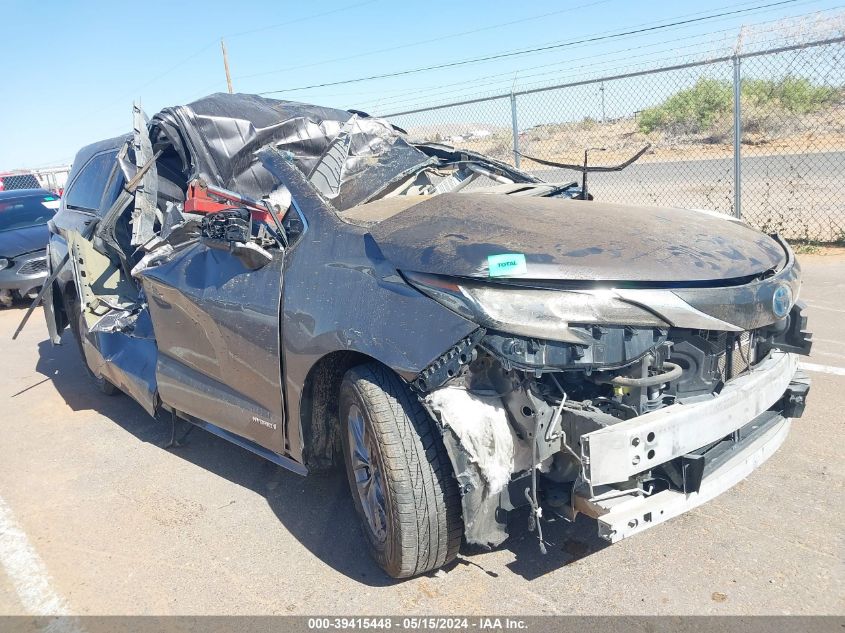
515	131
737	137
603	115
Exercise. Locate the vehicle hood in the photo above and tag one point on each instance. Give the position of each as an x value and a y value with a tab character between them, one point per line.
19	241
454	234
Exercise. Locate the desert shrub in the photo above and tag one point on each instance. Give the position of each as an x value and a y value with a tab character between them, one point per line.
588	123
689	111
498	146
763	121
793	95
705	106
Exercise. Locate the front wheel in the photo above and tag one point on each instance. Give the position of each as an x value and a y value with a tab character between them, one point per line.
399	473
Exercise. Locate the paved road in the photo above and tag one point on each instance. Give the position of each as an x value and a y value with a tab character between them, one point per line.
821	165
801	195
97	518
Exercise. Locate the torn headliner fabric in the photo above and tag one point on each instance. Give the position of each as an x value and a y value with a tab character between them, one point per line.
349	157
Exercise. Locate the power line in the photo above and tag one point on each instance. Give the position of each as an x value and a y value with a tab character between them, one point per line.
405	91
653	60
652	55
508	76
408	44
628	75
406	96
397	97
422	42
401	93
524	51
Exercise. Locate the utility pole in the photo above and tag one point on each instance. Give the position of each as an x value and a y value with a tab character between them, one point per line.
226	65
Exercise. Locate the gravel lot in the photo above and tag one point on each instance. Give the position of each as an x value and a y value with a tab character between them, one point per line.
111	523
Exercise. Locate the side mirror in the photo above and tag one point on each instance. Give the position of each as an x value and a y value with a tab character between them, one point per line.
231	230
229	225
251	254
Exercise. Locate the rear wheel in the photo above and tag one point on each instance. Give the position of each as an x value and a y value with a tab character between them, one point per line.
79	328
399	473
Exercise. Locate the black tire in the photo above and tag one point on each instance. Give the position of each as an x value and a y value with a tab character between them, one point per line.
77	327
422	505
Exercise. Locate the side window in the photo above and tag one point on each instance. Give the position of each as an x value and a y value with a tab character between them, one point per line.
113	188
86	190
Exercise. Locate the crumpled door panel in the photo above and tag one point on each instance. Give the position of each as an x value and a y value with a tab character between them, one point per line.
126	359
217	327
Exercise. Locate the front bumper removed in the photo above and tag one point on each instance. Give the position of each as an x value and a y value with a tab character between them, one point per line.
729	436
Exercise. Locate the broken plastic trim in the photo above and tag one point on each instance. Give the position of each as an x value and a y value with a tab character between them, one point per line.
448	365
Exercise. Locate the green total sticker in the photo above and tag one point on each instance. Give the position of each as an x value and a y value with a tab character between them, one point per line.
507	264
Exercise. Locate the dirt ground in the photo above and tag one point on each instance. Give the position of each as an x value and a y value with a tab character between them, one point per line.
97	516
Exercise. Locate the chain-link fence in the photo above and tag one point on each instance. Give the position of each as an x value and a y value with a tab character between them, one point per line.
786	173
50	178
793	142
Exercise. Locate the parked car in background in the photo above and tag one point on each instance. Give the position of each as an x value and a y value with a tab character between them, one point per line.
24	214
316	287
18	180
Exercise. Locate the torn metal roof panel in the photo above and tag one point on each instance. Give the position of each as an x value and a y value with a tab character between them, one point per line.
349	157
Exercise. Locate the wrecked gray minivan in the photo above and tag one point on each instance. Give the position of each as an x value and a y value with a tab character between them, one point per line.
465	338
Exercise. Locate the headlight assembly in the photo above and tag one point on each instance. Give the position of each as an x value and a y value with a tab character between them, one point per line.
4	263
539	313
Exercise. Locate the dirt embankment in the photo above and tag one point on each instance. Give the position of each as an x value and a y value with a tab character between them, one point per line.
819	132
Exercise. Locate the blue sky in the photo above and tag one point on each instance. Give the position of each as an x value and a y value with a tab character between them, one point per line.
72	69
